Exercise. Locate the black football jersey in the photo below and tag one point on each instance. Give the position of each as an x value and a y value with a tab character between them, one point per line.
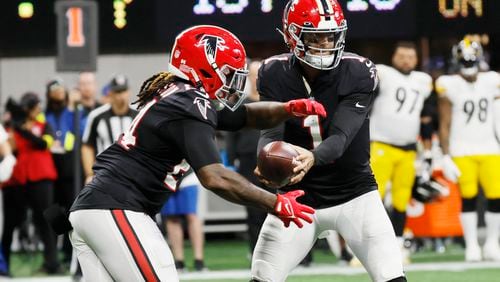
139	171
340	142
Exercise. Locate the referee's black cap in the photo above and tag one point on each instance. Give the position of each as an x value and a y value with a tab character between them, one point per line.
118	83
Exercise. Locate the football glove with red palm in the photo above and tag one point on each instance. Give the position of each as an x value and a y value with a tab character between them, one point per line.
288	209
304	107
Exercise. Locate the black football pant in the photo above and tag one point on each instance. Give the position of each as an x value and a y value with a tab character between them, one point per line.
38	196
64	195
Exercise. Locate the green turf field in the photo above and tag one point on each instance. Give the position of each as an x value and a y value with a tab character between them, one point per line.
233	255
478	275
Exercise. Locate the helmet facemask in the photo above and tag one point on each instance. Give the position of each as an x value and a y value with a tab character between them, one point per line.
308	41
232	93
468	54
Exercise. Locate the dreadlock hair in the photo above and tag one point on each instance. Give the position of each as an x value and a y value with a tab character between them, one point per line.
152	86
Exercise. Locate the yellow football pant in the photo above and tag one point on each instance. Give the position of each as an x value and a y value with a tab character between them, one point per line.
391	164
475	170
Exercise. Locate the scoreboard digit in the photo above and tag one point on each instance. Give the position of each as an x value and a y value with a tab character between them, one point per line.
77	30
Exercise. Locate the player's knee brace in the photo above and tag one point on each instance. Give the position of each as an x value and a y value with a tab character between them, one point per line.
469	205
399	279
494	205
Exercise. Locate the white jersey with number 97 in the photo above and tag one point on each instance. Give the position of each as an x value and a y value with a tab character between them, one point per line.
395	118
472	120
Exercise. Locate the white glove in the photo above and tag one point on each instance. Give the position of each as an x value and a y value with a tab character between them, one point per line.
450	169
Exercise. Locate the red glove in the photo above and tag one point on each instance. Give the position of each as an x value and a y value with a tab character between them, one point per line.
304	107
288	209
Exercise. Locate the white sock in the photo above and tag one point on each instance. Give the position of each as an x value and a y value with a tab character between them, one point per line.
492	228
469	226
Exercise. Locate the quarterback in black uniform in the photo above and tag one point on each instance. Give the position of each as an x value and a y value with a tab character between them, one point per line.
336	172
113	234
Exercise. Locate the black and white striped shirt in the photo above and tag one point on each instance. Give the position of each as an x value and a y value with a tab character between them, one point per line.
104	127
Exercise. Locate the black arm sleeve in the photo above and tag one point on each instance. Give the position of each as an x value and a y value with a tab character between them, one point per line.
350	115
429	111
36	141
232	121
426	130
196	140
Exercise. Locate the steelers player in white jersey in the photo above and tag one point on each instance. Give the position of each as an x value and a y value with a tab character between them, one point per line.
394	128
472	153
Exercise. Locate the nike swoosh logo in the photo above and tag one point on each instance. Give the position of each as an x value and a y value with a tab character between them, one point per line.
359	105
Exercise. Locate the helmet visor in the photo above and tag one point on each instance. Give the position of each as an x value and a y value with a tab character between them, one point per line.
232	93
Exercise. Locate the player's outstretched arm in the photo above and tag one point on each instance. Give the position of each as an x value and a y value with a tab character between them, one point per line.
262	115
235	188
196	141
450	170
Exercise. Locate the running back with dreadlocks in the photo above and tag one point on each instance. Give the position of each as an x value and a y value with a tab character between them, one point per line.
152	86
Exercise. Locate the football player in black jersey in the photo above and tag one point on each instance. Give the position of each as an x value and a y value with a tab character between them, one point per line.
336	172
113	233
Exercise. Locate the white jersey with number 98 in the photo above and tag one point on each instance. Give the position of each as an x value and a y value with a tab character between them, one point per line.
395	118
472	120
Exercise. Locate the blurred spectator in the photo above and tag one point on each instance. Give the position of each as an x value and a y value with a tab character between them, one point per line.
61	119
106	123
32	180
242	154
7	159
7	162
183	203
104	95
87	88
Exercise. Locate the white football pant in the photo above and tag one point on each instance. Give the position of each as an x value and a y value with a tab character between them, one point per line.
364	224
120	245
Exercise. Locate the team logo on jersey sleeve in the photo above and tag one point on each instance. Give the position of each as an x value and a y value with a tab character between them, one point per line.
373	72
203	105
212	45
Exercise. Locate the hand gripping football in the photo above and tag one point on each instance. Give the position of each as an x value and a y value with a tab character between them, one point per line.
276	162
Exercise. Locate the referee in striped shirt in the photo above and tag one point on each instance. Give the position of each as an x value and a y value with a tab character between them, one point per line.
106	123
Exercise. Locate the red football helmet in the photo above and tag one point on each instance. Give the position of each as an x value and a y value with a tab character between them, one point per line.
214	60
307	22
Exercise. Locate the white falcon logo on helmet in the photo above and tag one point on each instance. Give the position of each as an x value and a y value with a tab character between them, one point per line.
212	45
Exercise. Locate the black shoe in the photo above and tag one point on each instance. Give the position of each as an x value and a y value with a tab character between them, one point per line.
199	265
345	255
306	262
180	266
50	270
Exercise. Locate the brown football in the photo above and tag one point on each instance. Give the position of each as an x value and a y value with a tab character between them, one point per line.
276	162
